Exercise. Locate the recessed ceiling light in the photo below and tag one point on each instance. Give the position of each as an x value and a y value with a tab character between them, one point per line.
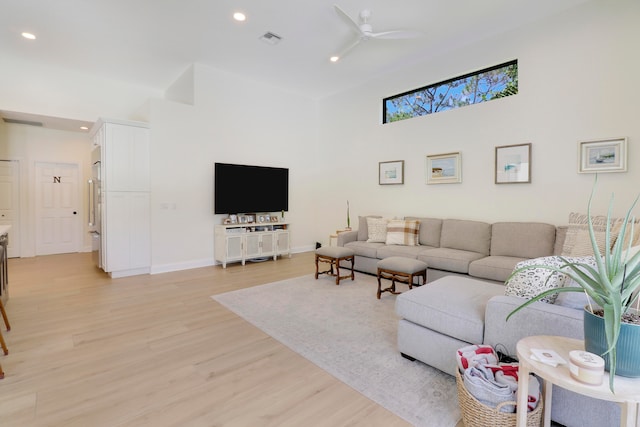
84	128
29	36
239	16
334	58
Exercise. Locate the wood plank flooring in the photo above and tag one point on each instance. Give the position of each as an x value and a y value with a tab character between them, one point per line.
155	350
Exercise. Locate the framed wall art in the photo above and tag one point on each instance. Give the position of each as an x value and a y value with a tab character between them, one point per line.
602	155
391	172
513	164
444	168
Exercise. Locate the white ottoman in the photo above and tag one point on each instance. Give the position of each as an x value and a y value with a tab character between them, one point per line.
441	317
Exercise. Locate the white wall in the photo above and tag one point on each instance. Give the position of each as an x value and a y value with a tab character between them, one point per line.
60	92
578	77
233	121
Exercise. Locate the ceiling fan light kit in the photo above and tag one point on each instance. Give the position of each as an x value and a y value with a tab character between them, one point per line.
364	31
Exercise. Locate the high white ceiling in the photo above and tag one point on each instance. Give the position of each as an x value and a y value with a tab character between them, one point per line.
151	42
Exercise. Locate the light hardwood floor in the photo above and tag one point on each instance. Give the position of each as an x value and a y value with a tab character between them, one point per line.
156	350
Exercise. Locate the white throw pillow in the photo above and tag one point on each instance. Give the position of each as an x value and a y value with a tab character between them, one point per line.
377	228
403	232
532	282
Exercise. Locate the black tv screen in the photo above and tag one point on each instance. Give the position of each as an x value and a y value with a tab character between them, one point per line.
250	189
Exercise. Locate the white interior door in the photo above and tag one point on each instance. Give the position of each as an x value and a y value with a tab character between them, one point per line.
58	219
10	203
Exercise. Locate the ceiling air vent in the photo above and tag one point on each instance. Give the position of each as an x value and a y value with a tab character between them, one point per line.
270	38
22	122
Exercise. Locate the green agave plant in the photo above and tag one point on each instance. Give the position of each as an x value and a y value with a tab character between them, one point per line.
613	285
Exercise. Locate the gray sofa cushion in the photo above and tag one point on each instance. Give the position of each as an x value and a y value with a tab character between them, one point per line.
399	250
539	318
473	236
522	239
454	260
494	267
366	249
402	265
430	230
453	306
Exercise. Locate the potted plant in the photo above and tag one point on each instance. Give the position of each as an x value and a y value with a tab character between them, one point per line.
614	286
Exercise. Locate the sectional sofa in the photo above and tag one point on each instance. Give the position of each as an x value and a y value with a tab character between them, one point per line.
464	301
454	246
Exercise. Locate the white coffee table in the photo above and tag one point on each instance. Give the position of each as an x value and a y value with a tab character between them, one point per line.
627	390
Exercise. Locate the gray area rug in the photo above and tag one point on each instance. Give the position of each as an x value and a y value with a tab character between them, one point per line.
349	333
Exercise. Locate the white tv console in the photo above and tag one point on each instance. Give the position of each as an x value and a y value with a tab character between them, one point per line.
240	242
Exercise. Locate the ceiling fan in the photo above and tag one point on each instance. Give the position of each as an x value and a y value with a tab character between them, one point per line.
364	31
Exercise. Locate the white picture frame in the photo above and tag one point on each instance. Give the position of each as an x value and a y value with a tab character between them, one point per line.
444	168
602	155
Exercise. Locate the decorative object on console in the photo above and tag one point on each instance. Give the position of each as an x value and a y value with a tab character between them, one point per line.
602	155
444	168
391	172
348	217
614	285
513	164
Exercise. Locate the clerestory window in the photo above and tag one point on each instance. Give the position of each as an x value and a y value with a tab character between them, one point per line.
480	86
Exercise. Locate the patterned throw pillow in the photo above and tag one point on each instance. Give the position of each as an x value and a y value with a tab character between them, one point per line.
377	228
403	232
532	282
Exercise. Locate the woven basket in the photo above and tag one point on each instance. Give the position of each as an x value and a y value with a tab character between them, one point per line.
476	414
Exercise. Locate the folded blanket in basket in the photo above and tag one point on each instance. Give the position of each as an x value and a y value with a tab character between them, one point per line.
476	354
493	383
480	382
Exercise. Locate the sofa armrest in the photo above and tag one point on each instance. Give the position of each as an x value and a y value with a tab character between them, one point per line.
537	319
346	237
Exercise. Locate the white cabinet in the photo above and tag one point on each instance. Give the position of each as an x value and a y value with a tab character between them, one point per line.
240	242
282	242
125	247
126	158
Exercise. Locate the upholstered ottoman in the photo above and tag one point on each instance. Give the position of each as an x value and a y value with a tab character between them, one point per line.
441	317
400	269
333	256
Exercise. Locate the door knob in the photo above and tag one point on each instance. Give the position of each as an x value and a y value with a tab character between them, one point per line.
75	213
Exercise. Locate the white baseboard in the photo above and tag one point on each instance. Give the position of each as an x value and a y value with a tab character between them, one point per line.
187	265
178	266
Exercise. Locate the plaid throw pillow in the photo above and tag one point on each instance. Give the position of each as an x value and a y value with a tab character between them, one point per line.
403	232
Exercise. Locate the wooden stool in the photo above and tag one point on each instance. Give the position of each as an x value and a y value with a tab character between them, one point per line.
2	343
333	256
6	322
400	269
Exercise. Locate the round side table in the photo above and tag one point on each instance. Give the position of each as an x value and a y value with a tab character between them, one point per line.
627	389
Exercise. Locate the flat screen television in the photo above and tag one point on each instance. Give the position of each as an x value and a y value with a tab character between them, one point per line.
250	189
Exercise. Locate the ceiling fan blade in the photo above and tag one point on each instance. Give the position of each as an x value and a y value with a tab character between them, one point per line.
347	49
398	34
348	20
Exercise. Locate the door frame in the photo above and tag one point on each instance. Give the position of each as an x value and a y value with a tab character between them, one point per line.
17	221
